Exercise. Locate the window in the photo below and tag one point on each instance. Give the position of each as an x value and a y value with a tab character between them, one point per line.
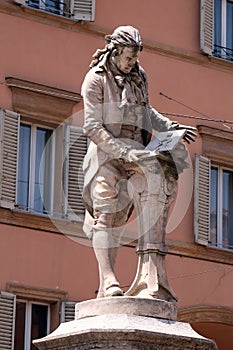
81	10
217	28
213	189
28	313
213	216
41	168
223	29
35	169
221	207
32	322
58	7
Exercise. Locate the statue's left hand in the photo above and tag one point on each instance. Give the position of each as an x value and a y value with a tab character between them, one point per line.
190	135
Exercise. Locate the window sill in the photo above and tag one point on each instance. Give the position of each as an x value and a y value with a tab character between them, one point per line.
41	223
221	61
222	249
193	250
74	230
11	8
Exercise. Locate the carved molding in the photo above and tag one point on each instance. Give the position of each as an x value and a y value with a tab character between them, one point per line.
217	144
206	313
41	223
11	8
74	230
36	101
36	293
193	250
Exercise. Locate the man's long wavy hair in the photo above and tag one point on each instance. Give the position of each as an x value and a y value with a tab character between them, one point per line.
123	36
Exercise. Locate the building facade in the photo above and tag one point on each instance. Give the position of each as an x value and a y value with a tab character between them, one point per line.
46	262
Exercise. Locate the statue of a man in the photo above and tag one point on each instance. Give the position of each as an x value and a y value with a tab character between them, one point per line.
119	123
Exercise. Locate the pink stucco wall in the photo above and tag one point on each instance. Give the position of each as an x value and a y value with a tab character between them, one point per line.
57	57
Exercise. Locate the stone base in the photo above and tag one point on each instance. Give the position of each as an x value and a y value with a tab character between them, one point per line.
126	306
123	329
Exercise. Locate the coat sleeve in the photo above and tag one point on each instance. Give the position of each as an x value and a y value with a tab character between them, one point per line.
93	97
159	122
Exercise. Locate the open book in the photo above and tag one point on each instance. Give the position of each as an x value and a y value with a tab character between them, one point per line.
165	141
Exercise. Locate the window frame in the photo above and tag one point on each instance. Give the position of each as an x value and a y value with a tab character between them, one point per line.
42	5
208	25
28	320
32	162
223	33
64	138
219	228
53	297
217	150
78	10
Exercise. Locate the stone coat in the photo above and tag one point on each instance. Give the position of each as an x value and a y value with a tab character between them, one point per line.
104	118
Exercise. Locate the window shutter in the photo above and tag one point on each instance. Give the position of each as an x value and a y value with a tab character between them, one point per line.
21	2
76	148
9	136
207	26
67	311
7	320
83	10
202	200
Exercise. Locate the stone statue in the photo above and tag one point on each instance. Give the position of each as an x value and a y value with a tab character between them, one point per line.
121	173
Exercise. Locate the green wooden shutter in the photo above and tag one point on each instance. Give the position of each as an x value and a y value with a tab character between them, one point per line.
207	26
7	320
83	10
202	200
9	137
76	148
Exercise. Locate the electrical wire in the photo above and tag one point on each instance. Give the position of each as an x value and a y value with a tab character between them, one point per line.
182	104
204	116
198	118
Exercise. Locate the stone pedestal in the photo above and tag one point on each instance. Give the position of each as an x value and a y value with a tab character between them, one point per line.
125	323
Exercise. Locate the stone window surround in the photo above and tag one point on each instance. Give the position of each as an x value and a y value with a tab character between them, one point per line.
54	297
51	106
218	146
36	102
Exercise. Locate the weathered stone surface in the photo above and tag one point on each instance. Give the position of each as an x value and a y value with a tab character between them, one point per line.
128	306
124	332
